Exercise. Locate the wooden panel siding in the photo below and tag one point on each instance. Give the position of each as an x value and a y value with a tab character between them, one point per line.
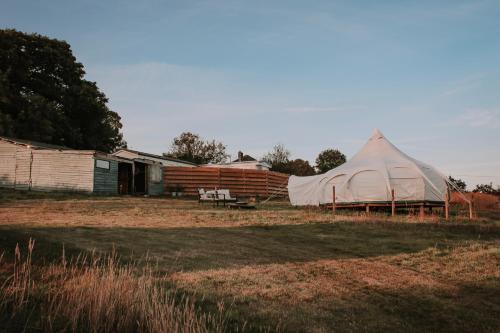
242	182
23	168
106	181
62	170
7	164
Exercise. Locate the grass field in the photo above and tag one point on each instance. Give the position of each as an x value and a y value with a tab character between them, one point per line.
280	268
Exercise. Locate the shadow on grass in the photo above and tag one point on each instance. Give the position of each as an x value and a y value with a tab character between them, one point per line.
206	248
407	310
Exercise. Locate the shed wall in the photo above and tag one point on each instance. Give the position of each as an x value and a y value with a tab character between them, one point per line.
106	181
62	171
155	187
23	162
7	164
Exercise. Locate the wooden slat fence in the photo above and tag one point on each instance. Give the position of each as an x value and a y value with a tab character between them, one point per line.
241	182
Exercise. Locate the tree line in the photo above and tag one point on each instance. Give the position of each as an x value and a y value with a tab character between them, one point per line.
191	147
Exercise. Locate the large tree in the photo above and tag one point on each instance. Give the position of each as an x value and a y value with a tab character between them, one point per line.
299	167
329	159
44	96
190	147
278	158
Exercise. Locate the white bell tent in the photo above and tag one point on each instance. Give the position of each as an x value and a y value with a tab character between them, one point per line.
369	177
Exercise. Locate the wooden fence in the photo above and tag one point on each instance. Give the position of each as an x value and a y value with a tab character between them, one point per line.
241	182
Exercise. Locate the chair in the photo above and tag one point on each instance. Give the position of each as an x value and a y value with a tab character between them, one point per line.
204	196
224	196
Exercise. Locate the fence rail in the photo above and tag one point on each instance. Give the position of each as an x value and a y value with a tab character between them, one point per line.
240	182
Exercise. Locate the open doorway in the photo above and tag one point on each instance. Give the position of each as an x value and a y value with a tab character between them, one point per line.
124	178
140	182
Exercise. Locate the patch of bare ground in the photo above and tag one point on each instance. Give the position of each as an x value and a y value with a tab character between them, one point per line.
375	294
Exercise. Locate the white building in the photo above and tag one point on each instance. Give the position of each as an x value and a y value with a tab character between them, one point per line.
242	162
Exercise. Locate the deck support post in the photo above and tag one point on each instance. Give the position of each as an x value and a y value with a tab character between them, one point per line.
393	204
367	209
471	203
447	207
422	212
334	208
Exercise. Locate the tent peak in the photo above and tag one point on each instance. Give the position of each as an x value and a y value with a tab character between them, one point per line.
377	134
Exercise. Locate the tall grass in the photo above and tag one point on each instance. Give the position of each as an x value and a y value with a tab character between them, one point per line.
94	294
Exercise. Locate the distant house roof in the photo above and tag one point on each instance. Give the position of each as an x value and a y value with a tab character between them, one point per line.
245	158
34	144
140	153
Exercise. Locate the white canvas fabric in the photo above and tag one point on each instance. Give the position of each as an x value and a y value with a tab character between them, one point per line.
370	176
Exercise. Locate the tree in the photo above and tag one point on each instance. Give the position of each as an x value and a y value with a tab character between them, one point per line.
329	159
299	167
44	96
278	158
458	182
190	147
486	188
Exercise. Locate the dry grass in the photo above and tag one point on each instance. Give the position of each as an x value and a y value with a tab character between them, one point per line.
168	213
281	268
328	295
94	294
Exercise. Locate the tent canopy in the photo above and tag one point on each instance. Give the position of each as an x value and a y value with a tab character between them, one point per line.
369	176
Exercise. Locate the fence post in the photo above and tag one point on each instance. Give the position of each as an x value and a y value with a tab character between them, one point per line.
447	207
267	183
334	208
471	202
393	204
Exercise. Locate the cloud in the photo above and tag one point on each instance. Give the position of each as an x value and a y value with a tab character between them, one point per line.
464	85
327	109
481	118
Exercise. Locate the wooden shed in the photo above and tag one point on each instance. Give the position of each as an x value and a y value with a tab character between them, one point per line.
37	166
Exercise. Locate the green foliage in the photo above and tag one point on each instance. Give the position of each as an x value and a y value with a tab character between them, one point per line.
329	159
278	158
300	167
43	96
190	147
458	182
486	188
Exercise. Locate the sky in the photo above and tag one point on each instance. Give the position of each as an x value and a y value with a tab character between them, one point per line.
310	75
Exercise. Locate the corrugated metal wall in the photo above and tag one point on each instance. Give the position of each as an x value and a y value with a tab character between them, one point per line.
7	164
62	170
23	163
48	170
106	181
155	182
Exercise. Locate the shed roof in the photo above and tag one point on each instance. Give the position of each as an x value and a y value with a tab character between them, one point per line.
140	153
34	144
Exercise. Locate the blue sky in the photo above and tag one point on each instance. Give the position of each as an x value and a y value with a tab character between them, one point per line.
308	74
